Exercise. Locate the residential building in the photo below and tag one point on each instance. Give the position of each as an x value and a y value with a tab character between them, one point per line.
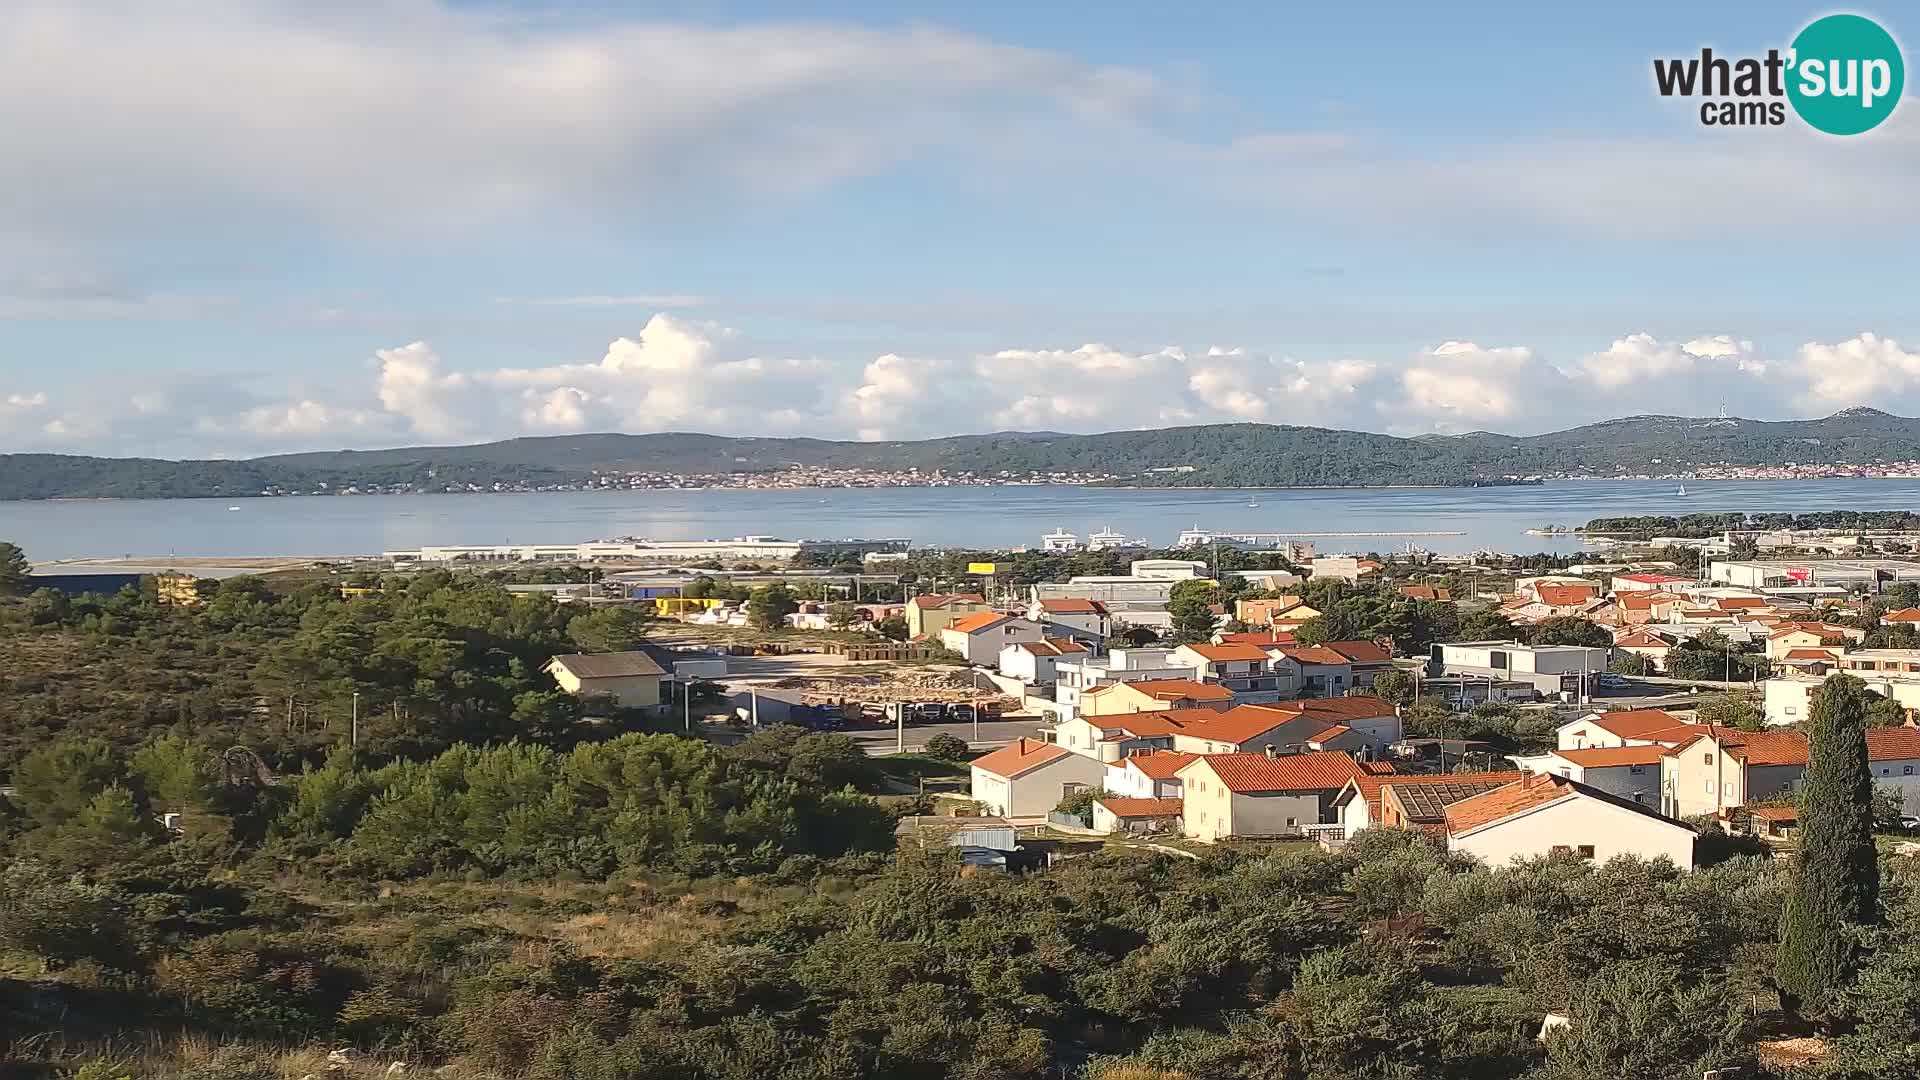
1647	582
1246	670
1148	774
631	680
1624	727
1721	768
1361	804
1807	635
1788	696
1344	567
1032	662
1263	638
1089	617
1544	814
1908	617
1129	600
1143	817
1116	737
1119	665
1027	778
1153	695
928	615
1646	644
1552	670
1260	795
1316	670
1630	772
1362	725
1365	659
1432	593
979	638
1868	662
1287	610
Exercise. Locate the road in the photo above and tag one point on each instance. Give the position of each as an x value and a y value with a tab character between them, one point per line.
992	733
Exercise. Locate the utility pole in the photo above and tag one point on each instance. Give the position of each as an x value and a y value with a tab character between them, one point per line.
899	727
686	702
353	739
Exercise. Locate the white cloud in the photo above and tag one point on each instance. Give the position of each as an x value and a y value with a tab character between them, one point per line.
680	375
1863	370
387	114
1641	357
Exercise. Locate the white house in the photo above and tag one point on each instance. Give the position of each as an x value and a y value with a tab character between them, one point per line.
1246	670
1623	727
1119	665
1148	774
1089	617
1630	772
1114	737
1032	662
979	638
1546	814
1262	795
1027	778
1119	814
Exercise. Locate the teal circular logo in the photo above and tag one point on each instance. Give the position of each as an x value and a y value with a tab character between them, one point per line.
1845	74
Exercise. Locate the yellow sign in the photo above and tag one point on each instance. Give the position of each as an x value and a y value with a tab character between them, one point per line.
979	568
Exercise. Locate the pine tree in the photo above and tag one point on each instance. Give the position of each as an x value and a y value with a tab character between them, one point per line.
1836	878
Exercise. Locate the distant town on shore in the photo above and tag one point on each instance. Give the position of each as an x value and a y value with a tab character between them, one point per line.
1851	443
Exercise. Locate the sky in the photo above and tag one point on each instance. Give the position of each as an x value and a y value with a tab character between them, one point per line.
232	228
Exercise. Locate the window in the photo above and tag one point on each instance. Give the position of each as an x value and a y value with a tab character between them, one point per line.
1561	849
1291	822
1709	787
1586	851
1706	759
1636	770
1906	770
1793	710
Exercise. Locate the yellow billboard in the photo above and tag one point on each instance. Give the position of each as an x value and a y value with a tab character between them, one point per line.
979	568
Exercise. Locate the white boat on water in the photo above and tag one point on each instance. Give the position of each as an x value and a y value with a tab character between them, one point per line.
1060	540
1109	540
1682	493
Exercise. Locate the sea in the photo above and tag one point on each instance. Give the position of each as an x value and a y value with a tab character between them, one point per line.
1373	519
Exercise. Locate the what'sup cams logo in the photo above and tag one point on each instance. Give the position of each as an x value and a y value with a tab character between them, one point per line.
1843	75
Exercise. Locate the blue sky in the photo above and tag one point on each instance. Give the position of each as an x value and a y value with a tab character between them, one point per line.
239	228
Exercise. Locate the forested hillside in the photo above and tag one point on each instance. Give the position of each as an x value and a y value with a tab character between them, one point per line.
1223	455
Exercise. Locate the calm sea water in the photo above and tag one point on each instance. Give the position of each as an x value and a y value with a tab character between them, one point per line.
1494	518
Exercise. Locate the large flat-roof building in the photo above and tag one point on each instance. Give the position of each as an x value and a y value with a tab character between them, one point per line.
1869	574
1550	669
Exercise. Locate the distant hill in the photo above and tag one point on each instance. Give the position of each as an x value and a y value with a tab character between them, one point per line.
1219	455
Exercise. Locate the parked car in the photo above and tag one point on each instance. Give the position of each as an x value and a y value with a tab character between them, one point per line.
960	714
1612	680
929	712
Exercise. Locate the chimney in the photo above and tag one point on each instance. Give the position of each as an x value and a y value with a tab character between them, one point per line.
1272	751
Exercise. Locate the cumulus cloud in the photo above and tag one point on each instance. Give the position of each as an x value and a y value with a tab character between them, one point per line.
677	374
1862	370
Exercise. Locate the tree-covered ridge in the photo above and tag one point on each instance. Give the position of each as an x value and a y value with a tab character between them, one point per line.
1214	455
1712	524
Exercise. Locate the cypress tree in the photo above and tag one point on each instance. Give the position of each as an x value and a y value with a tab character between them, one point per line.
1836	879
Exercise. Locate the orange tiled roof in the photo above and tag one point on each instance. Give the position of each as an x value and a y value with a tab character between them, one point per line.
1314	654
1230	652
1149	725
1535	790
1159	765
1367	786
1053	647
1905	614
1020	757
1607	757
1426	592
979	621
1073	606
940	600
1325	770
1634	723
1642	639
1125	807
1326	734
1360	652
1175	689
1732	603
1810	654
1565	595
